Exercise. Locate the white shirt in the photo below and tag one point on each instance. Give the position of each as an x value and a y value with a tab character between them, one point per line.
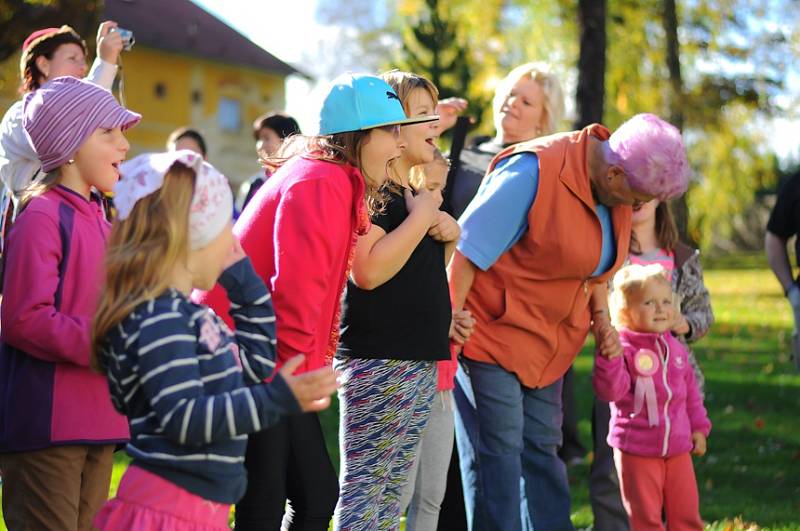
18	160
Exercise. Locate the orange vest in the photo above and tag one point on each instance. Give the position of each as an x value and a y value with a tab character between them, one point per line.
532	305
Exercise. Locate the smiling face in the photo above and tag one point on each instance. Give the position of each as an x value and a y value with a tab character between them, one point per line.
97	160
651	308
419	138
381	145
67	60
522	115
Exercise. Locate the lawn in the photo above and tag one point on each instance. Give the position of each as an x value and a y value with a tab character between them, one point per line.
750	478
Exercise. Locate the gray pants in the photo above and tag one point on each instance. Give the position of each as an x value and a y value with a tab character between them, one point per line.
427	478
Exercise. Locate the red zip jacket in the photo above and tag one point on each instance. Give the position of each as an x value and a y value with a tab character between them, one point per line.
299	231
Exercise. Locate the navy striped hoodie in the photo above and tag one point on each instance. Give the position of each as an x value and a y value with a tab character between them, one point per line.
192	390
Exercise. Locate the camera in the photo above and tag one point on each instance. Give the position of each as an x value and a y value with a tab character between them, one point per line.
128	39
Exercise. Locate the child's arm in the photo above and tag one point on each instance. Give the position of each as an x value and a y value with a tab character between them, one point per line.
445	229
610	378
380	255
251	310
171	381
30	320
696	303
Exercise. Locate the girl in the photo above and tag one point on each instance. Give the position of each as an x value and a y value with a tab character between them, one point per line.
395	326
173	367
654	240
657	412
299	230
47	54
428	475
59	428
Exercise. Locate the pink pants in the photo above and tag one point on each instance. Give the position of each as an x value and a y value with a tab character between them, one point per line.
652	484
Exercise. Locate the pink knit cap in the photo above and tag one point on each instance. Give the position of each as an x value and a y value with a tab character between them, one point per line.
64	112
652	154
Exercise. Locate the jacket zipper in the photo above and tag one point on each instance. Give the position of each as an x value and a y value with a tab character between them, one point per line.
667	425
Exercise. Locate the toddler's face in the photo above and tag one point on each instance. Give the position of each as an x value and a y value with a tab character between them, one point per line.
651	309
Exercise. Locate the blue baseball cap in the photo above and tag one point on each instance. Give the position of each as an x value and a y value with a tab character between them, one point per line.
357	102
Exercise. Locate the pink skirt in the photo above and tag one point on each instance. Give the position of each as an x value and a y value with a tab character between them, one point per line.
146	501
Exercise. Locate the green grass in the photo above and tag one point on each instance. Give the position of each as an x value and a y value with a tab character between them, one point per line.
750	478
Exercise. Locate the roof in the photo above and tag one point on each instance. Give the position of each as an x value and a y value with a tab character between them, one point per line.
181	26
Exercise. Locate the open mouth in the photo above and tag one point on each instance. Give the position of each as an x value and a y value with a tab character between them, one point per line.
430	141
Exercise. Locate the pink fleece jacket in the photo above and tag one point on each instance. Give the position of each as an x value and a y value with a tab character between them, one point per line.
299	231
53	276
661	362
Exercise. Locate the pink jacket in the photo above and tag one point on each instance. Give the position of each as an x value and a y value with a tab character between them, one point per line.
299	230
53	276
655	402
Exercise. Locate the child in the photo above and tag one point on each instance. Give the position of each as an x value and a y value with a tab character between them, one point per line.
427	478
59	428
657	412
299	230
395	325
654	240
47	54
173	367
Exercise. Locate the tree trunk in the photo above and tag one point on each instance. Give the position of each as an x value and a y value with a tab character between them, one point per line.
669	19
590	94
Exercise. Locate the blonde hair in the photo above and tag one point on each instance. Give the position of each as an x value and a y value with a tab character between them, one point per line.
40	187
628	282
551	86
417	176
142	253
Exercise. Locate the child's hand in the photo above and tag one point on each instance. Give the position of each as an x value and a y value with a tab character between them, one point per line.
312	390
445	228
606	339
699	442
236	254
461	326
680	325
424	203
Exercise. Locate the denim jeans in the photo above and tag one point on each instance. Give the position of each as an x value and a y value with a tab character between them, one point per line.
508	437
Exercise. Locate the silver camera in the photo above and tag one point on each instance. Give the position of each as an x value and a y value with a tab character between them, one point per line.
128	39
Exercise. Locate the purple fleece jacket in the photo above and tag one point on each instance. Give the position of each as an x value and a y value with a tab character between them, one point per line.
680	410
53	276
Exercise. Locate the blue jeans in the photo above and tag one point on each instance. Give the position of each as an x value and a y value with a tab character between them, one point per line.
508	437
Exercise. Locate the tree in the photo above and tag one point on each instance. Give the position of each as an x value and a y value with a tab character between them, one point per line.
590	94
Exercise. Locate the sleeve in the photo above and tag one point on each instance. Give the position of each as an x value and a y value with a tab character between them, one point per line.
102	73
251	310
18	160
610	378
782	220
30	320
312	225
498	215
696	302
171	382
698	416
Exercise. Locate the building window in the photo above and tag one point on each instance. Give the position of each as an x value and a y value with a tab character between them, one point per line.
229	114
160	90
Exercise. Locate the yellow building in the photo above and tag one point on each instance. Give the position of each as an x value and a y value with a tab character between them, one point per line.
188	68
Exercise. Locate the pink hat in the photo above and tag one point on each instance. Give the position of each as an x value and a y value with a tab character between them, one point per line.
64	112
652	154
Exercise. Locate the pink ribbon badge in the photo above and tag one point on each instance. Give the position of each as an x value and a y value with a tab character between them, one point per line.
646	364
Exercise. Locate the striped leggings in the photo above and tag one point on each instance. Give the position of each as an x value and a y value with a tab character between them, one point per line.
383	407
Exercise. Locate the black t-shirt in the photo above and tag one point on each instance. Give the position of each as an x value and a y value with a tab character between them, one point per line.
407	317
784	221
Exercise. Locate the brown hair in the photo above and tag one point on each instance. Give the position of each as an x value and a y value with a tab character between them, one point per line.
143	250
339	148
666	230
29	72
40	187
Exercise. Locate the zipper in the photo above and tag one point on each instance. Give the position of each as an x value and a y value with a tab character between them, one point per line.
667	424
